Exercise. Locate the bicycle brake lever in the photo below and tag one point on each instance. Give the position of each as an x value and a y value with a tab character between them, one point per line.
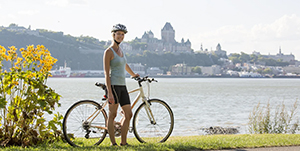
154	80
136	78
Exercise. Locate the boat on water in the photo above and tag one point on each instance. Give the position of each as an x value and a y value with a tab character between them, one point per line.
61	72
66	72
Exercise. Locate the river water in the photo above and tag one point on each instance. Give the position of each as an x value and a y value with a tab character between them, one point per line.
196	102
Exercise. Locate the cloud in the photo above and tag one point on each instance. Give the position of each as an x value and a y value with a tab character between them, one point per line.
64	3
28	12
284	28
10	16
79	2
59	3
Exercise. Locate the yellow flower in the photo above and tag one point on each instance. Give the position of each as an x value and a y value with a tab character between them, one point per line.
7	58
12	48
2	49
19	60
30	47
30	75
16	67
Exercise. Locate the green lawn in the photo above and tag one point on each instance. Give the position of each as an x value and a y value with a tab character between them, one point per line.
186	143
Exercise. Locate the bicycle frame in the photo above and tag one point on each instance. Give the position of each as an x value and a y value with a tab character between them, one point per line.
139	95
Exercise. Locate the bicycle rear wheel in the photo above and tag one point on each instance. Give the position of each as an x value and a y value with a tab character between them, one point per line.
84	123
146	130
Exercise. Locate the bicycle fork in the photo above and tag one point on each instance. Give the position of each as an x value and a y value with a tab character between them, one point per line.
149	112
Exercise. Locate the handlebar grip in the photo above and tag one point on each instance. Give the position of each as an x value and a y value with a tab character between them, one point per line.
103	86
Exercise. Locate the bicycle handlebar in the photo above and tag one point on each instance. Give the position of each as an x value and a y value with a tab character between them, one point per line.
142	79
146	78
102	85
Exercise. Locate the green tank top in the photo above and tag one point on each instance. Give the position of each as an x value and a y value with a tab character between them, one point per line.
117	69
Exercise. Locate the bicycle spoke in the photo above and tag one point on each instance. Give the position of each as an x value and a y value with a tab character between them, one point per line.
81	131
146	130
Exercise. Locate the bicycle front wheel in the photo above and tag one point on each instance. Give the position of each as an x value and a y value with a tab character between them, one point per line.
147	129
84	124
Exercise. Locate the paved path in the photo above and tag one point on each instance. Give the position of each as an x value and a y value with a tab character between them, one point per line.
289	148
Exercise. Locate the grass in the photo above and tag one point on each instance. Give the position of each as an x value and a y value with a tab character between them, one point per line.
203	142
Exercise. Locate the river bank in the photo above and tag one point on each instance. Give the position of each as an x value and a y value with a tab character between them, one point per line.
204	142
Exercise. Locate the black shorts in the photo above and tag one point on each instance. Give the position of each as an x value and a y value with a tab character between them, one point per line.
120	94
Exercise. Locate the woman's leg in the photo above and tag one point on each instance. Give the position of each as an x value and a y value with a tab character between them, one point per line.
110	123
125	123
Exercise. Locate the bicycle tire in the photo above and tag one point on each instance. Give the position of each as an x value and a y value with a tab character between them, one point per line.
80	133
147	131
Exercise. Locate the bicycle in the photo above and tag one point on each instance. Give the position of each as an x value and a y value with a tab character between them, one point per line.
85	122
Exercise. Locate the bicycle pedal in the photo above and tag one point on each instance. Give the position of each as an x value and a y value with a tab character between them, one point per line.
130	130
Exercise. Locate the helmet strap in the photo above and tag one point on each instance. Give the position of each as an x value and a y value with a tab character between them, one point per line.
116	42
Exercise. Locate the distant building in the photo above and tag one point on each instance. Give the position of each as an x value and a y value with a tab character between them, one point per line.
137	68
281	56
219	51
291	69
16	28
180	69
154	71
167	43
203	50
124	45
20	29
33	32
212	70
256	53
297	63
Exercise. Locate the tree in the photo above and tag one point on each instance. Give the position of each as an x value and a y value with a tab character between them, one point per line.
235	58
13	25
267	71
260	70
196	69
253	58
136	45
244	57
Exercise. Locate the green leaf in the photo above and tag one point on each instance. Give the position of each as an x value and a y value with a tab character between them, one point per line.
3	102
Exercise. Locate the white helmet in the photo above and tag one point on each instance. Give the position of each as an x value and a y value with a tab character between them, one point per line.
119	27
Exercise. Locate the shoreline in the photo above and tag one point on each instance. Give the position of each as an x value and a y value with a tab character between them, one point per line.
190	76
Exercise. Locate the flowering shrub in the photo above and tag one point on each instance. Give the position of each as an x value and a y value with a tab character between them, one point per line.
25	97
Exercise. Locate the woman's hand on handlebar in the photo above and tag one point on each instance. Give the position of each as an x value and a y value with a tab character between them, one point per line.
136	75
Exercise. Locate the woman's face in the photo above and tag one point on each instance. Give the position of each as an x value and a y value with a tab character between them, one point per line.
119	36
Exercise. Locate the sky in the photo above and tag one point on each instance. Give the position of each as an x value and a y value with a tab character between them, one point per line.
263	26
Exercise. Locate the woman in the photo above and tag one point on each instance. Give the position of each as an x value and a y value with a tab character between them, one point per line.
115	64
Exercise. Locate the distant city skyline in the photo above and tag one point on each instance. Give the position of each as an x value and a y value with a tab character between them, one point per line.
239	26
